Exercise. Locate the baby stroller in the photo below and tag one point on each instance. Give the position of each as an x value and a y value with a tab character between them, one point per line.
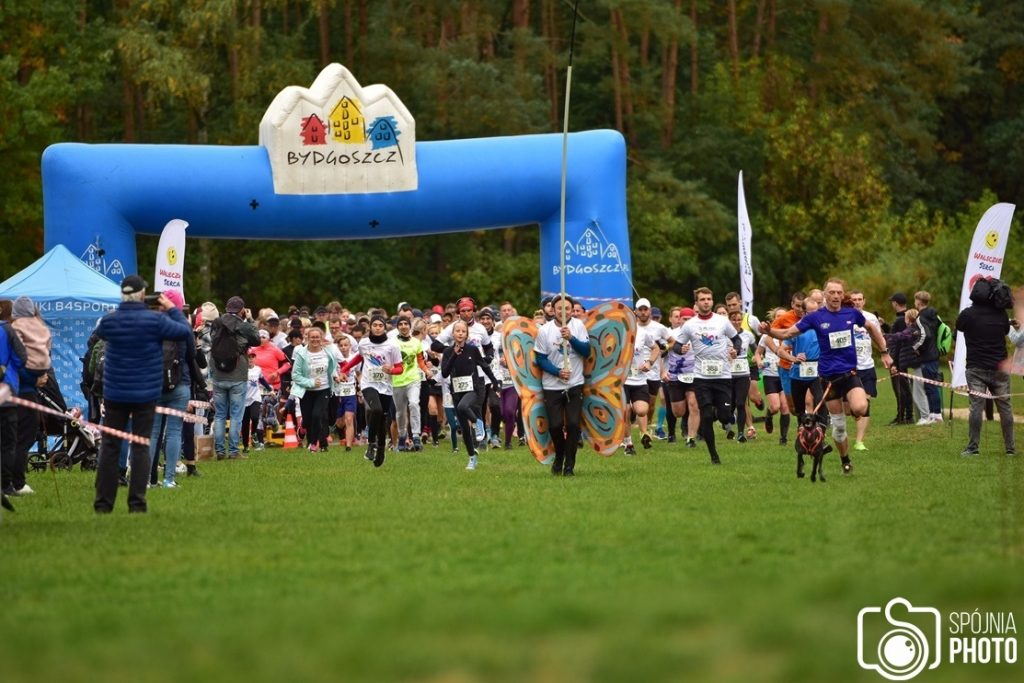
62	443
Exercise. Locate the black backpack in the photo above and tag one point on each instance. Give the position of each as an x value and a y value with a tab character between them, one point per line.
172	366
224	347
96	360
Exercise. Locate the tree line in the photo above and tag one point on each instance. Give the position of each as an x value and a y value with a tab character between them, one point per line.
872	135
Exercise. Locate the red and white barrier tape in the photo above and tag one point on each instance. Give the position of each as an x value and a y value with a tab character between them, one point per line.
963	391
187	417
5	397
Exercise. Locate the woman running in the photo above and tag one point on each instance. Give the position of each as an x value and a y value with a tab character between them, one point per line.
459	363
380	360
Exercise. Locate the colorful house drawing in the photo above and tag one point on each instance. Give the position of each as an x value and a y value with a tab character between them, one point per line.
347	123
313	131
384	132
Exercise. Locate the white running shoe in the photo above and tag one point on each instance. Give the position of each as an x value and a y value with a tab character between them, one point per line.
170	485
935	417
25	490
472	463
924	421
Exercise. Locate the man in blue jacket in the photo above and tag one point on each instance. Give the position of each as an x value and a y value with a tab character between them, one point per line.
12	355
132	384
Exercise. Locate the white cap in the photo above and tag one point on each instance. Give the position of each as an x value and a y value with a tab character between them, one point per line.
436	318
264	334
642	303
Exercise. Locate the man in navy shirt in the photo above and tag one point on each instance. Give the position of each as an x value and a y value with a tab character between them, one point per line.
837	365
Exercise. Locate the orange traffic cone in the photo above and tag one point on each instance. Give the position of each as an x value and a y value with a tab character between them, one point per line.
290	440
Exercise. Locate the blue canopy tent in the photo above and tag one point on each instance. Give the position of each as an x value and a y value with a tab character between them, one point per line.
71	297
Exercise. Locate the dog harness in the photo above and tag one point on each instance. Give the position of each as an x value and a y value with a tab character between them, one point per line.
810	442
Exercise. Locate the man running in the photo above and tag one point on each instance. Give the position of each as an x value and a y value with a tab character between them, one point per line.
837	366
638	393
865	366
715	343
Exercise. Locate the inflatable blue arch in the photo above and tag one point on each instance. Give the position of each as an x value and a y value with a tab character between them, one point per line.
96	198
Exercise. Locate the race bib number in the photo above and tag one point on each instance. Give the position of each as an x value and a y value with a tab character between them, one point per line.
710	368
809	369
635	372
863	349
739	366
840	340
446	401
462	385
376	375
686	377
347	390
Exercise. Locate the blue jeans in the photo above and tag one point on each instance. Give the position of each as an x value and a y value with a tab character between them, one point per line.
930	370
229	402
178	400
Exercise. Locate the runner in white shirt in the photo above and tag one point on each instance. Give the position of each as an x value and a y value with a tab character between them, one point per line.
677	380
715	343
492	400
646	324
865	367
750	323
562	345
775	398
638	393
345	391
739	367
379	358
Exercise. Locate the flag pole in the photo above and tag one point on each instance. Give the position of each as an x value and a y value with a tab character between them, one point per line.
565	170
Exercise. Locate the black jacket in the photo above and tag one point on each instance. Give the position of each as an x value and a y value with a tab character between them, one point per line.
902	352
985	328
928	350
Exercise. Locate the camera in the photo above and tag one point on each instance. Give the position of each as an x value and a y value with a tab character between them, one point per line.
900	640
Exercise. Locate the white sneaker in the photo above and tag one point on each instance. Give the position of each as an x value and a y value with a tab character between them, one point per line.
170	485
924	421
25	490
472	463
936	417
180	468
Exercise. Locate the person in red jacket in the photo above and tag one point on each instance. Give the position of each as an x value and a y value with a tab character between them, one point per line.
270	360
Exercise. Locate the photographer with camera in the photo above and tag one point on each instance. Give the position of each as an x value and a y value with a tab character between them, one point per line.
985	325
232	335
132	384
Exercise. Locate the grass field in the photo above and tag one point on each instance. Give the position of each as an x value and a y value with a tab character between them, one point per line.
292	567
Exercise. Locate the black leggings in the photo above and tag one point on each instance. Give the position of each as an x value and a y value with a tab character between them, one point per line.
740	387
251	422
314	416
564	409
467	407
377	411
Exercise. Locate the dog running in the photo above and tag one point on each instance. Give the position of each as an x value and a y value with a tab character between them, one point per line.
810	441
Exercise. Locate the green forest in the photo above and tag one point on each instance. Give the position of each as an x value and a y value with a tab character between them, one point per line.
872	134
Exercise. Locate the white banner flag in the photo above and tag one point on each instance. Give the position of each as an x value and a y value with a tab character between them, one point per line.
170	258
984	260
746	268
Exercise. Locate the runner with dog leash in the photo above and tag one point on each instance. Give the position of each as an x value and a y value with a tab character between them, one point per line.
834	326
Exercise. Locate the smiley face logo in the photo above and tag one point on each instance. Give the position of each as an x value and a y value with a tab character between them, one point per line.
172	256
992	239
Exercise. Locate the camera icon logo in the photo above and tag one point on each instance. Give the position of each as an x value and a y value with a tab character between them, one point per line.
906	645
